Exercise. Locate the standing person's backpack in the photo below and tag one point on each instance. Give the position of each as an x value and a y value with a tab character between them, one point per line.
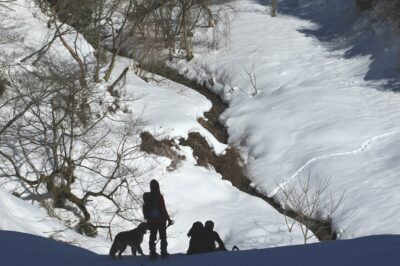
151	208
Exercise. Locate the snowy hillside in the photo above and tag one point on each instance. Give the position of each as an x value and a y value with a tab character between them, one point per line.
192	193
20	216
322	105
309	100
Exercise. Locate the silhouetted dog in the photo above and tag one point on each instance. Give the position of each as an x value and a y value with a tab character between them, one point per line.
131	238
197	242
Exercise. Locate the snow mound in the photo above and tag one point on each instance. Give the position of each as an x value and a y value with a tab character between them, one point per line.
18	249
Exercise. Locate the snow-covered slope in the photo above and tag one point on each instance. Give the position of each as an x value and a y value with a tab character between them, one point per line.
21	216
317	109
22	249
192	193
313	111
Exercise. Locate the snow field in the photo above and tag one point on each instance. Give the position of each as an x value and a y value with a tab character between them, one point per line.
314	112
192	193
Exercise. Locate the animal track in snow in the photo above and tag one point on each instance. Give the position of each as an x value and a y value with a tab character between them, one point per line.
364	146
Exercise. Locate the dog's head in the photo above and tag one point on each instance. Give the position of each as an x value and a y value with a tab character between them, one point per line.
143	227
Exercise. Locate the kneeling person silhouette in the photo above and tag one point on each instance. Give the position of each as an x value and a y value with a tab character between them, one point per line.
203	238
197	239
211	237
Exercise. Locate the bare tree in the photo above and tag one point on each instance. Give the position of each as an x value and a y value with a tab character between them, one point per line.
64	133
135	27
193	14
174	22
99	21
66	141
309	199
223	18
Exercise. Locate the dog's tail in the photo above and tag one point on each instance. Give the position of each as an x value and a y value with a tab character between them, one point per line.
235	248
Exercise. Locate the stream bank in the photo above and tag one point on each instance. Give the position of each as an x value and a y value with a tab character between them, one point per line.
230	165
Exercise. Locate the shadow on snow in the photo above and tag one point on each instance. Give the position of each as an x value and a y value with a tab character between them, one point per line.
341	26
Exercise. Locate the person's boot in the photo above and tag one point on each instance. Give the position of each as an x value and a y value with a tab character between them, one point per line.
164	255
153	255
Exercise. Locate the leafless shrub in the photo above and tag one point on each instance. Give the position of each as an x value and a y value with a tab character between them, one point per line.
309	199
251	77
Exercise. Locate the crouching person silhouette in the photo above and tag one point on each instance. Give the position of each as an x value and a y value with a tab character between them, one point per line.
197	243
211	237
155	212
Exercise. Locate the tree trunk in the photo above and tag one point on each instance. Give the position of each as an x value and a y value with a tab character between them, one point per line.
187	45
274	8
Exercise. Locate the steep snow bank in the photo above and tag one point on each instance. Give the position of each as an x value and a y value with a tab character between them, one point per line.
18	215
313	111
192	193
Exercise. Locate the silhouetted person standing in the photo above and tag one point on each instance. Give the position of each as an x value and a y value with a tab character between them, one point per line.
211	237
156	214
